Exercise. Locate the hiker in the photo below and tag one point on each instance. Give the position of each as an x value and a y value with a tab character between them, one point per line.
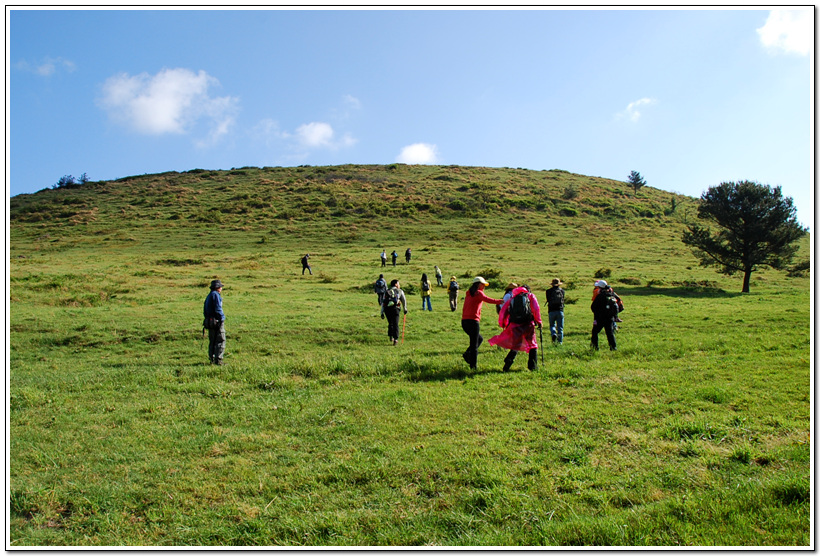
519	316
383	257
425	292
407	255
215	323
555	311
452	291
395	256
471	317
380	287
394	301
600	284
507	295
605	309
306	264
438	277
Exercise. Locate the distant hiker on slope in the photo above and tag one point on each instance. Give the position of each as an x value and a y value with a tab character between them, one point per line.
215	323
605	310
392	305
306	264
519	316
471	318
380	287
555	308
452	292
439	280
425	292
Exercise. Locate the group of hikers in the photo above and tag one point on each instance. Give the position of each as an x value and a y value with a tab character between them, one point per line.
519	314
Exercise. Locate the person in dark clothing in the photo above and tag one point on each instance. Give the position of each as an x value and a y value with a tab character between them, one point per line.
306	265
555	310
380	287
407	255
605	309
395	256
216	334
383	257
393	303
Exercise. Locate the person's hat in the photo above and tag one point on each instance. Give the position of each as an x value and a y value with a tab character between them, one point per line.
452	278
600	284
512	286
556	281
480	280
216	284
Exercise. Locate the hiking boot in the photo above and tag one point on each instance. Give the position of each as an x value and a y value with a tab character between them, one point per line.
554	339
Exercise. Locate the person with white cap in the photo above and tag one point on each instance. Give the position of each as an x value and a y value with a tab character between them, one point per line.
471	317
605	307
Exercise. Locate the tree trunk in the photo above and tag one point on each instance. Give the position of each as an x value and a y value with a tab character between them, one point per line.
747	274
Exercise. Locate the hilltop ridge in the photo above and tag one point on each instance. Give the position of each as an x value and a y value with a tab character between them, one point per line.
365	194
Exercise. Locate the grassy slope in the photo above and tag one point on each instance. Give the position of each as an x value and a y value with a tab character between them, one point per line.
318	433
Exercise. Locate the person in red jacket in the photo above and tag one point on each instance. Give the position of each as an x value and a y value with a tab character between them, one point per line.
471	317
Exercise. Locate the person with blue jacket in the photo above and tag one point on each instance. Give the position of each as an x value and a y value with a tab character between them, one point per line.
216	332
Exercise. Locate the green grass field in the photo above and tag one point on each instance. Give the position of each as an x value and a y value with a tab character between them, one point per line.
317	432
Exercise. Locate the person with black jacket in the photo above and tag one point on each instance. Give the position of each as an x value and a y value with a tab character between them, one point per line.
216	331
605	310
555	310
392	305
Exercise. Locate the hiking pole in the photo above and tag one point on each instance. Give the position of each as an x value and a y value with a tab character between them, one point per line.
541	341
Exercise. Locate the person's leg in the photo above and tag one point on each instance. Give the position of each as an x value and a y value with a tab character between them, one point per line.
596	327
532	361
609	328
218	352
559	326
553	317
508	360
471	327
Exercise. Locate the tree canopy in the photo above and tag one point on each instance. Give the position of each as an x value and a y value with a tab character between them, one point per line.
757	227
636	180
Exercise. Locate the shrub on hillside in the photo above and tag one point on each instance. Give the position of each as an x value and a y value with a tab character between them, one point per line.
603	273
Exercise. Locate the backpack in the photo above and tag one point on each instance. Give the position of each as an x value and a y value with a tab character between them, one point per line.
610	302
520	310
391	298
425	286
453	287
380	286
555	297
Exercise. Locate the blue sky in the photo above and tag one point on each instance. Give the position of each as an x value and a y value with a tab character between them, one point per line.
687	97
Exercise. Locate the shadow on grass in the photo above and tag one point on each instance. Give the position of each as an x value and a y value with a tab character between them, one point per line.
677	291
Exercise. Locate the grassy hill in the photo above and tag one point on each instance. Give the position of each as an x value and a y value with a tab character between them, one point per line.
317	432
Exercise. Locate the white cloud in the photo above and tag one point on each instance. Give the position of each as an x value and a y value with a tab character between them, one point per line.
320	135
315	134
47	67
418	153
633	112
790	31
172	101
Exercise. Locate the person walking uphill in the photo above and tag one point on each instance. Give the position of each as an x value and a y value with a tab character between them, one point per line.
452	291
394	256
380	287
306	264
394	302
471	317
605	310
215	323
555	309
425	292
519	316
